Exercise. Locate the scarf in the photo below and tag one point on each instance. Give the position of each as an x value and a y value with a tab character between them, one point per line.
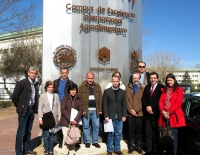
168	96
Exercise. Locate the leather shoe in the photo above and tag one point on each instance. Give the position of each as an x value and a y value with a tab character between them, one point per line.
109	153
130	151
87	145
96	145
30	152
140	151
119	153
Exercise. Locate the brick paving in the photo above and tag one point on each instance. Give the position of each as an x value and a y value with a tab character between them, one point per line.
8	129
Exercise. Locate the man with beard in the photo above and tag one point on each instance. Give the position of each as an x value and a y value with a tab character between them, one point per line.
134	93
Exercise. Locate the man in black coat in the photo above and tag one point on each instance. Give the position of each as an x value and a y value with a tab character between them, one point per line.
25	98
114	107
150	103
145	76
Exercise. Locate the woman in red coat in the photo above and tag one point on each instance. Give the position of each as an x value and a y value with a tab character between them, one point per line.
170	106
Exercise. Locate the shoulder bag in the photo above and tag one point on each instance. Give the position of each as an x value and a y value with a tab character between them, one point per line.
73	135
165	134
48	119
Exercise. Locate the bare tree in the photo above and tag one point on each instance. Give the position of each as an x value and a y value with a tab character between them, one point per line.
16	15
163	63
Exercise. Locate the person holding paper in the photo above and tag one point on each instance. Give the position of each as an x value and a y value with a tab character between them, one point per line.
134	93
114	108
49	102
61	86
70	103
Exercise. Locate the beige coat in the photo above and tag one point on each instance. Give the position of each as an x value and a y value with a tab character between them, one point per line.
134	100
44	106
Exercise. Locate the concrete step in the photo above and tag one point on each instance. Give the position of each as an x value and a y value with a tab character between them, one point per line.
82	150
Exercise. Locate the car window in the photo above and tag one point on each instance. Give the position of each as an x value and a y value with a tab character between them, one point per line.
194	108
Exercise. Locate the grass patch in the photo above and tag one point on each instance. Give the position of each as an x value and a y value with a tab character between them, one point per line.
5	104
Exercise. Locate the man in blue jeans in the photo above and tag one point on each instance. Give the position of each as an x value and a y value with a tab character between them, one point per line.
25	99
114	107
91	96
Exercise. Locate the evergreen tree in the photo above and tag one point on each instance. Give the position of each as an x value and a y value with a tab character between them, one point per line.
186	78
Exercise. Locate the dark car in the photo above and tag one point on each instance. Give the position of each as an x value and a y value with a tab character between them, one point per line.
189	136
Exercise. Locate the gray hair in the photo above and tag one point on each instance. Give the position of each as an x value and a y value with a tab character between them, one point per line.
32	68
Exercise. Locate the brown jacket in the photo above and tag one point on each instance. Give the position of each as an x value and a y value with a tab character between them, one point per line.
83	92
133	101
66	110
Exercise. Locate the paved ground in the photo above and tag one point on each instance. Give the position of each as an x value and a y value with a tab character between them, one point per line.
8	128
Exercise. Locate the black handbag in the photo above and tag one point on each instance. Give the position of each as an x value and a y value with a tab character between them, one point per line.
48	119
165	134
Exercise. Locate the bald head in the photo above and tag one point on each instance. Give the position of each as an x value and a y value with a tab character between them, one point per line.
90	78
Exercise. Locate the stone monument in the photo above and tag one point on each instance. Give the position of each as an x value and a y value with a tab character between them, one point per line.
90	35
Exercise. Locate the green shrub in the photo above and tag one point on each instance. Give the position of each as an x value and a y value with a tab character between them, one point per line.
5	104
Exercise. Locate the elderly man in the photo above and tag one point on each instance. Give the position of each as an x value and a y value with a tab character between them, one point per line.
135	116
91	95
145	76
25	99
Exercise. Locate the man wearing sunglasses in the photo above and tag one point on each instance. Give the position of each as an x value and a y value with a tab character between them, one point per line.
145	76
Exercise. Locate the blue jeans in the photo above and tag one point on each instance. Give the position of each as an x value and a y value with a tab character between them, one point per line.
95	127
48	141
114	138
24	132
175	143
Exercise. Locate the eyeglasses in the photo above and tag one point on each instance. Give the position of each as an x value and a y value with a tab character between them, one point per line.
141	66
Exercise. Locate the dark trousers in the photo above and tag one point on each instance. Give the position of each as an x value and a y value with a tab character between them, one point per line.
135	132
23	136
151	134
60	137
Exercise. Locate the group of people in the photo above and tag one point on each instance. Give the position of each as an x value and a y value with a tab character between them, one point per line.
143	103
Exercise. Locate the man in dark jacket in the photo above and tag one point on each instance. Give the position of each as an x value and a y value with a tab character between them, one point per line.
62	83
25	99
60	87
114	107
150	101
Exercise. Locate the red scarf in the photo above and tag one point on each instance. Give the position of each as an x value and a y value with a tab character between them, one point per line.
168	96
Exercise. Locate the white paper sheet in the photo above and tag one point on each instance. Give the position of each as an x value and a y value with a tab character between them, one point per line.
57	128
74	113
108	126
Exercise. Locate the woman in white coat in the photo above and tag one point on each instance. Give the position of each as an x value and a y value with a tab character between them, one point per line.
49	101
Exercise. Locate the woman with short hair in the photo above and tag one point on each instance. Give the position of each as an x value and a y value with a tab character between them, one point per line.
72	100
49	101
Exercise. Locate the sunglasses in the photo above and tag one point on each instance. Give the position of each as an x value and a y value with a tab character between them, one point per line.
141	66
